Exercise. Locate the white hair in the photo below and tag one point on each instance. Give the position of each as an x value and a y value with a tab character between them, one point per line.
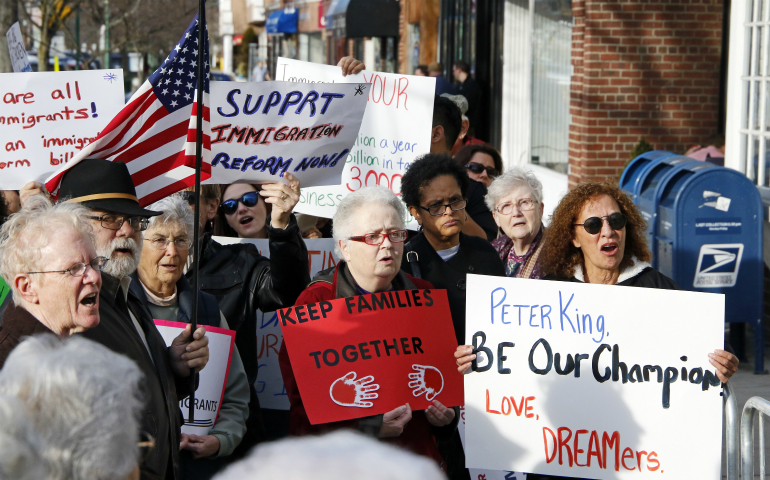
83	400
175	210
345	219
341	455
20	445
513	178
26	233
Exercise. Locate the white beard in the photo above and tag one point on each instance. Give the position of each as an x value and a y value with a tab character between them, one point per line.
120	266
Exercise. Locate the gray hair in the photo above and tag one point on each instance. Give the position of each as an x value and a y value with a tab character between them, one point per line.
341	455
20	445
175	210
345	218
83	400
513	178
25	233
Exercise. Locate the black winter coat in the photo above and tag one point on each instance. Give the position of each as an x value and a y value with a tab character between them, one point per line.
647	278
475	255
161	388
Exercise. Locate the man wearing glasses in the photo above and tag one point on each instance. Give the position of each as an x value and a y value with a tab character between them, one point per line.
126	326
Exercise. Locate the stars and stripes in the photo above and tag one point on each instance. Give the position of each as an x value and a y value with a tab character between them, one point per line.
155	133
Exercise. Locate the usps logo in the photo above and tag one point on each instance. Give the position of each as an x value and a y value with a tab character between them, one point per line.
718	265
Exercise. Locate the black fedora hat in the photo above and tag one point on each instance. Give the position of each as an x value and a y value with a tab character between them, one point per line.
102	185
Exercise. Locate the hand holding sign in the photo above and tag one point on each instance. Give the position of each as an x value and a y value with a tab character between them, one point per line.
283	198
349	392
428	380
189	353
394	421
438	415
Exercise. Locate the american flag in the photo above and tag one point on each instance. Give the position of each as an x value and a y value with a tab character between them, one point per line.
154	134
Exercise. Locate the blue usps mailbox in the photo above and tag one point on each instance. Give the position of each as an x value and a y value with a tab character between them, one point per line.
709	239
631	180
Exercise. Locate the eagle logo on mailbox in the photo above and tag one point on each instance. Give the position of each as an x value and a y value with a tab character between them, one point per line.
718	265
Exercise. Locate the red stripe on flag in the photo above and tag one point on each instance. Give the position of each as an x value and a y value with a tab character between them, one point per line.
166	191
169	135
126	113
120	137
159	168
191	137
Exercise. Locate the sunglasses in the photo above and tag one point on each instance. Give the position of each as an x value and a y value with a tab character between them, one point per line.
593	225
478	168
247	199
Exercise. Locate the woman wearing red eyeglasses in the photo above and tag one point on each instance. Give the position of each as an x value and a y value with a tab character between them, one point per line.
369	234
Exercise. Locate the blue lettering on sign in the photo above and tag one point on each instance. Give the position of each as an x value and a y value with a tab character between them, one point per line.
539	315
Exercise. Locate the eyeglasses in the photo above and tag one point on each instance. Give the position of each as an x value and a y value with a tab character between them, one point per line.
396	236
436	210
524	205
162	243
593	225
79	269
247	199
478	168
114	222
188	196
146	445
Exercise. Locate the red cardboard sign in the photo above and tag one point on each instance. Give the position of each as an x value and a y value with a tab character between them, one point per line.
360	356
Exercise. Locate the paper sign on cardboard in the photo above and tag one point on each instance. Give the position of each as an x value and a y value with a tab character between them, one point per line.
212	379
47	117
16	49
360	356
395	131
269	384
593	381
260	131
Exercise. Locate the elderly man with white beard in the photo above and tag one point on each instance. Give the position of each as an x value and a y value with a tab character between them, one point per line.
126	326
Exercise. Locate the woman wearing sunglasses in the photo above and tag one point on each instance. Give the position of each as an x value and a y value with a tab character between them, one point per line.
482	163
369	234
596	235
242	212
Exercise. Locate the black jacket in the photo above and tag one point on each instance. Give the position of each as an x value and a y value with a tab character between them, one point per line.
648	277
161	388
475	255
477	208
243	281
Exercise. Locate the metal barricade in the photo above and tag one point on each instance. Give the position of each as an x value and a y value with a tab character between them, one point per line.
753	406
732	433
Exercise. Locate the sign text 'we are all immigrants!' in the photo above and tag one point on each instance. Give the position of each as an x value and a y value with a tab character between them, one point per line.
592	381
47	117
260	131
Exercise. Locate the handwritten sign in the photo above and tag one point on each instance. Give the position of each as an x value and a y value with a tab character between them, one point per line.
269	385
47	117
395	131
212	380
17	50
480	473
593	381
360	356
260	131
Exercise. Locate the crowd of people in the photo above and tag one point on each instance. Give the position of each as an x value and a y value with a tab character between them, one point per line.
90	390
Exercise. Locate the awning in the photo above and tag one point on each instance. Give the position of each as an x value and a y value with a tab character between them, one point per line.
283	21
363	18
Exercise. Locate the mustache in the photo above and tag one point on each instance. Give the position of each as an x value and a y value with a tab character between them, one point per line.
123	244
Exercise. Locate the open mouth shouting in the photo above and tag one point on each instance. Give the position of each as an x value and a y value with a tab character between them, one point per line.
246	220
609	249
90	300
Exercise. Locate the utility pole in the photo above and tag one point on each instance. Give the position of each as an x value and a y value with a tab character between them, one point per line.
106	33
77	38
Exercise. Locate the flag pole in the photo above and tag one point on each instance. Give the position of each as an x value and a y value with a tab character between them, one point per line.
198	165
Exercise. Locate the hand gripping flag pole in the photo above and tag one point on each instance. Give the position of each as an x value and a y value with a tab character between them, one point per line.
202	42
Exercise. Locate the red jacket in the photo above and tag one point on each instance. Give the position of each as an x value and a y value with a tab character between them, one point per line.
418	434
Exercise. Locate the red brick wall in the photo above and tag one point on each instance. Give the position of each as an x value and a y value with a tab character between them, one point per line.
642	68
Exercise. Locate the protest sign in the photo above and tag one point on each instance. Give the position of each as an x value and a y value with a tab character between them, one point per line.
212	379
260	131
47	117
480	473
269	385
17	50
360	356
593	381
395	130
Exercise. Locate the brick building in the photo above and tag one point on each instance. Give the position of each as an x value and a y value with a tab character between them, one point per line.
642	69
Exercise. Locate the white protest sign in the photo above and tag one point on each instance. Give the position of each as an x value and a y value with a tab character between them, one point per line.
259	131
269	387
47	117
395	131
593	381
212	379
17	50
479	473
